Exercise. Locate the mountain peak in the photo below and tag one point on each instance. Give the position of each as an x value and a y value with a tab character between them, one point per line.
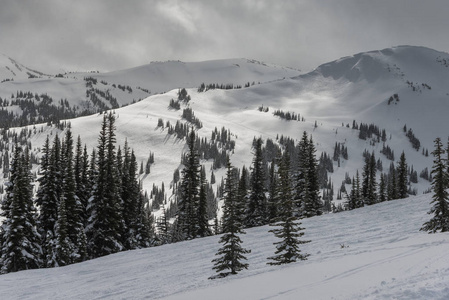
386	63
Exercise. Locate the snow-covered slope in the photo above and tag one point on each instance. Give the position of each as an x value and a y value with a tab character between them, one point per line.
375	252
10	69
330	97
132	85
160	77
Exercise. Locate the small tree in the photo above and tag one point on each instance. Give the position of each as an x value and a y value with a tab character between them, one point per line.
440	209
231	253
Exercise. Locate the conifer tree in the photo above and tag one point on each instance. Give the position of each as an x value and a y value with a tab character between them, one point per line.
20	249
272	203
105	224
382	189
369	184
402	188
63	247
72	206
48	197
203	222
306	180
256	206
287	250
440	208
231	253
190	187
314	186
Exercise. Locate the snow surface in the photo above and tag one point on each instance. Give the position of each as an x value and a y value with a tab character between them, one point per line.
386	256
374	252
326	96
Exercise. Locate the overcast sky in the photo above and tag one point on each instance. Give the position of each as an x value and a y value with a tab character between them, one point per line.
107	35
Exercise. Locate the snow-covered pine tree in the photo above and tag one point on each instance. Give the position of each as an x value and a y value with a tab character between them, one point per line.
81	170
72	206
48	197
20	249
63	246
187	222
130	194
287	250
203	222
105	221
306	184
440	183
256	212
231	253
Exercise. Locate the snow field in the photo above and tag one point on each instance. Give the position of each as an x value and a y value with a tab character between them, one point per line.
375	252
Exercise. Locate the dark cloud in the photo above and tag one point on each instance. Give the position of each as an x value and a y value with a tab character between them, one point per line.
107	35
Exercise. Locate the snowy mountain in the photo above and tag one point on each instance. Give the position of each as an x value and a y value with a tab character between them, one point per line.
369	253
390	88
402	92
84	93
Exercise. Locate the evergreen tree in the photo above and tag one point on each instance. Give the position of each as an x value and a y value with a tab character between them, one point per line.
306	180
256	206
63	247
382	189
314	186
272	203
392	188
402	187
231	253
72	205
105	223
287	250
190	187
48	197
369	184
20	249
440	208
203	222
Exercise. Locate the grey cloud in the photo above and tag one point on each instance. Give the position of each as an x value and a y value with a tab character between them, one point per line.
112	34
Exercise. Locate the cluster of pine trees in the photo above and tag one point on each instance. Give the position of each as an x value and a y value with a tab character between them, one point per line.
367	191
293	194
84	208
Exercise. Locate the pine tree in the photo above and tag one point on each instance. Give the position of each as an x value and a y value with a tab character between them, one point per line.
306	180
440	208
402	188
63	247
20	249
287	250
72	206
382	189
105	224
190	187
369	184
203	222
256	207
48	197
272	203
231	253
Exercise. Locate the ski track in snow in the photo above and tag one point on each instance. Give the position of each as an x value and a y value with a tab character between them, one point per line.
385	256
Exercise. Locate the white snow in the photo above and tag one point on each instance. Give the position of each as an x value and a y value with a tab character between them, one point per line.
370	253
374	252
